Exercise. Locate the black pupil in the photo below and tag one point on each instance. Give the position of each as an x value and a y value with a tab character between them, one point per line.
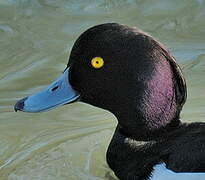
97	62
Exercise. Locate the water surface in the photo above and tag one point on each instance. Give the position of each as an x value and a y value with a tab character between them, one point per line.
69	143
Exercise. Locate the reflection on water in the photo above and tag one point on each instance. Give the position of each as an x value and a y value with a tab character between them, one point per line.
35	40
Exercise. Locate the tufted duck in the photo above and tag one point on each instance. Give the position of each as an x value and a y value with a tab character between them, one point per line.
132	75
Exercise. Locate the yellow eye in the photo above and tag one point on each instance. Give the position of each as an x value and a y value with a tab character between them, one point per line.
97	62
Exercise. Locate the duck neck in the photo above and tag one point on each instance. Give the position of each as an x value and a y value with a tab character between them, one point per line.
149	120
142	133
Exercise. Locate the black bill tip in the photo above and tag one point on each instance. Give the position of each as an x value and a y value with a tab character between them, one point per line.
19	106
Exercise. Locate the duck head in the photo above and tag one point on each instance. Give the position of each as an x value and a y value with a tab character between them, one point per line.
122	70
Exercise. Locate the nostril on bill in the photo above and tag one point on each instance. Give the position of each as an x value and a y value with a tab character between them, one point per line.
56	87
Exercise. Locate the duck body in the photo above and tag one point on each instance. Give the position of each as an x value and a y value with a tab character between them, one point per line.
180	152
132	75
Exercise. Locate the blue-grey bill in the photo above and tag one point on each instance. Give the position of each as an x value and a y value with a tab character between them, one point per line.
58	93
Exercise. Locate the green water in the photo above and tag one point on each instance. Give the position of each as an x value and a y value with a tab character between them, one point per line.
69	143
